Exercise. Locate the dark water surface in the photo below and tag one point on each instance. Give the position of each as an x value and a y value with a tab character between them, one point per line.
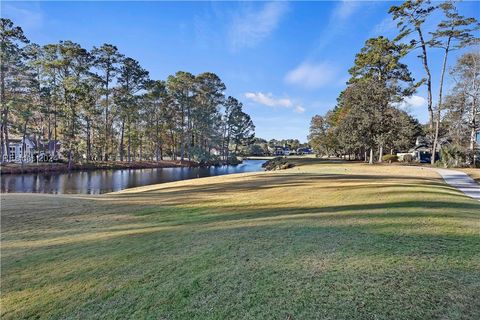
103	181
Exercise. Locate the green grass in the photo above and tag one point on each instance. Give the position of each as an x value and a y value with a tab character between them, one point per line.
331	241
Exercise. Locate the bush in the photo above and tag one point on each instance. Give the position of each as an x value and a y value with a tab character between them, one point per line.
232	159
390	158
408	158
452	156
203	157
277	164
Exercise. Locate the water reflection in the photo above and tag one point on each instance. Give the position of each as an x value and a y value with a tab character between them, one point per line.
102	181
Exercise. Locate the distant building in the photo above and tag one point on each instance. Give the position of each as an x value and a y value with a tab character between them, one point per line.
35	150
305	150
281	151
422	151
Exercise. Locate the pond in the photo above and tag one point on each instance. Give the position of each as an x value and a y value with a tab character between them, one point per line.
103	181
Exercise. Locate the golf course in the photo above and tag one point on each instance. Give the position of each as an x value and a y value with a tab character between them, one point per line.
321	240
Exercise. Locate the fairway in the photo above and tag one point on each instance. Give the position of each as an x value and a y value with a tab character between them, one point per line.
317	241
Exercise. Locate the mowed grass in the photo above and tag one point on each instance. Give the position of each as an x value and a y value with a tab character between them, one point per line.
319	241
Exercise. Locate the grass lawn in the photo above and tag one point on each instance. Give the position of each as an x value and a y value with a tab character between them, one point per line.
319	241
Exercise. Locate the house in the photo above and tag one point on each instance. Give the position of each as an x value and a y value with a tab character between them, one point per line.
422	151
281	151
15	149
305	150
35	150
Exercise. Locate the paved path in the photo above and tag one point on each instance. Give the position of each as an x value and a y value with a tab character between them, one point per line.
461	181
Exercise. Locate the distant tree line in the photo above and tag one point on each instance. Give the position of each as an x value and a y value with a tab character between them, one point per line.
367	120
103	106
262	147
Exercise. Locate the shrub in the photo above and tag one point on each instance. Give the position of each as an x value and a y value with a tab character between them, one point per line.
452	156
408	158
232	159
203	157
390	158
277	164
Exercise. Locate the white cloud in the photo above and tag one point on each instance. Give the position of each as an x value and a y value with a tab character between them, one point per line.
340	20
412	102
345	10
28	19
268	99
311	75
386	27
299	109
251	27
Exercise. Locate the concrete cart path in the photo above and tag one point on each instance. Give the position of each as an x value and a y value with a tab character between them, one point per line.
461	181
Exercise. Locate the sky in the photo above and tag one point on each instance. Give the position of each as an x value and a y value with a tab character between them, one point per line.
285	61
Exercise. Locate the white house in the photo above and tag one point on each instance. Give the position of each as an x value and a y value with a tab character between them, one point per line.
15	149
281	151
35	150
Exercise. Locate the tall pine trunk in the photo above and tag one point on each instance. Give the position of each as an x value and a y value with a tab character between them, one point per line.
429	77
129	143
439	107
89	140
473	131
122	133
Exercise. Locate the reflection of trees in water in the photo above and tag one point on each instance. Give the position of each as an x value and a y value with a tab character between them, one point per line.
102	181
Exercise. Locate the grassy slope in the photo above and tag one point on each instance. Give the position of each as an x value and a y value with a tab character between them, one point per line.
317	241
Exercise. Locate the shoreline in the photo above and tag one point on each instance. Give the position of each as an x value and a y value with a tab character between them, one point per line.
14	168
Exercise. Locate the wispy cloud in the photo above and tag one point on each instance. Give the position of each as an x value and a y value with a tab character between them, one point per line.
311	75
387	27
413	101
339	18
345	9
252	26
299	109
28	18
269	100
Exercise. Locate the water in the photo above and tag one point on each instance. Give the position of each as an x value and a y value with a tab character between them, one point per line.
103	181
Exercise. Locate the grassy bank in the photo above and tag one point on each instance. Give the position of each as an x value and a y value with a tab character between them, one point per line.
9	168
334	241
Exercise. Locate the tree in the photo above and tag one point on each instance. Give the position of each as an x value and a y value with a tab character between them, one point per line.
463	104
379	63
157	102
12	72
73	63
317	137
131	79
206	118
380	59
61	92
181	87
453	33
411	16
106	60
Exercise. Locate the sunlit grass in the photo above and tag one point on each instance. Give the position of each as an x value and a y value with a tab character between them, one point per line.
337	241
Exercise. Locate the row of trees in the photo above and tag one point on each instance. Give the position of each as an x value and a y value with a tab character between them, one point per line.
367	116
103	106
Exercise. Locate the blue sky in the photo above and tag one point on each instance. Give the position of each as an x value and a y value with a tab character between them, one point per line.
286	61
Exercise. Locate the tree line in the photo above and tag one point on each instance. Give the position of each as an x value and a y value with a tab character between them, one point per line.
368	120
104	106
